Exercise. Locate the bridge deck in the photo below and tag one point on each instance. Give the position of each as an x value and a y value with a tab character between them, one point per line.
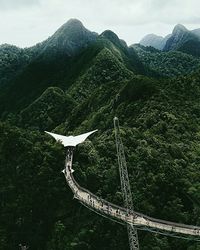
120	214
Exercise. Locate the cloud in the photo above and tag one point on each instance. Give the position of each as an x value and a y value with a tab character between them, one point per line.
31	21
16	4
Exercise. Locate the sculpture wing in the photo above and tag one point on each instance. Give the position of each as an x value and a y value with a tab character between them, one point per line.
70	141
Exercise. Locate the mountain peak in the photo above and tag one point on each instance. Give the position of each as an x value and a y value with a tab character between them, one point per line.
180	36
179	28
158	42
110	35
73	23
70	37
71	26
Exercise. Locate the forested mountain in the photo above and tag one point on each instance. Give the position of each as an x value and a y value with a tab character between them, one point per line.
68	39
167	64
196	32
12	61
77	81
181	39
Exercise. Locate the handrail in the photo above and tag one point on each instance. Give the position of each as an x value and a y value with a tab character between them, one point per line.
120	214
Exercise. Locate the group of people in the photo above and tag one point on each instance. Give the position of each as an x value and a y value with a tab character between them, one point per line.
102	205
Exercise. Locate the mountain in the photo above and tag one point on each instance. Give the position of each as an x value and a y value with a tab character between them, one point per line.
167	64
47	111
179	37
77	81
70	38
60	62
184	40
110	35
191	47
196	32
12	61
158	42
66	42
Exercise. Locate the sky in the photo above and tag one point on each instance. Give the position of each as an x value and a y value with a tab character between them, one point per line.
27	22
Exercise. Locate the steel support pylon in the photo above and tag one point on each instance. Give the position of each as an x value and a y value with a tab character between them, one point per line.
125	186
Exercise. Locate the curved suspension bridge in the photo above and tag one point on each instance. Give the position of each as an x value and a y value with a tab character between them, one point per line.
115	212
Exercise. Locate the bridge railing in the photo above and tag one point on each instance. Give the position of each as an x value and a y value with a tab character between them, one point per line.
107	208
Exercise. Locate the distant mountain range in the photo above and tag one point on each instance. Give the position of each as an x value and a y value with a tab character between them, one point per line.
72	49
181	39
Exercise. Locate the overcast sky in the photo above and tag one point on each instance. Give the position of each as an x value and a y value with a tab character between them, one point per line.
26	22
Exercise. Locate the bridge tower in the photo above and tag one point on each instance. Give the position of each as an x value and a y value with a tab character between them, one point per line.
125	185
